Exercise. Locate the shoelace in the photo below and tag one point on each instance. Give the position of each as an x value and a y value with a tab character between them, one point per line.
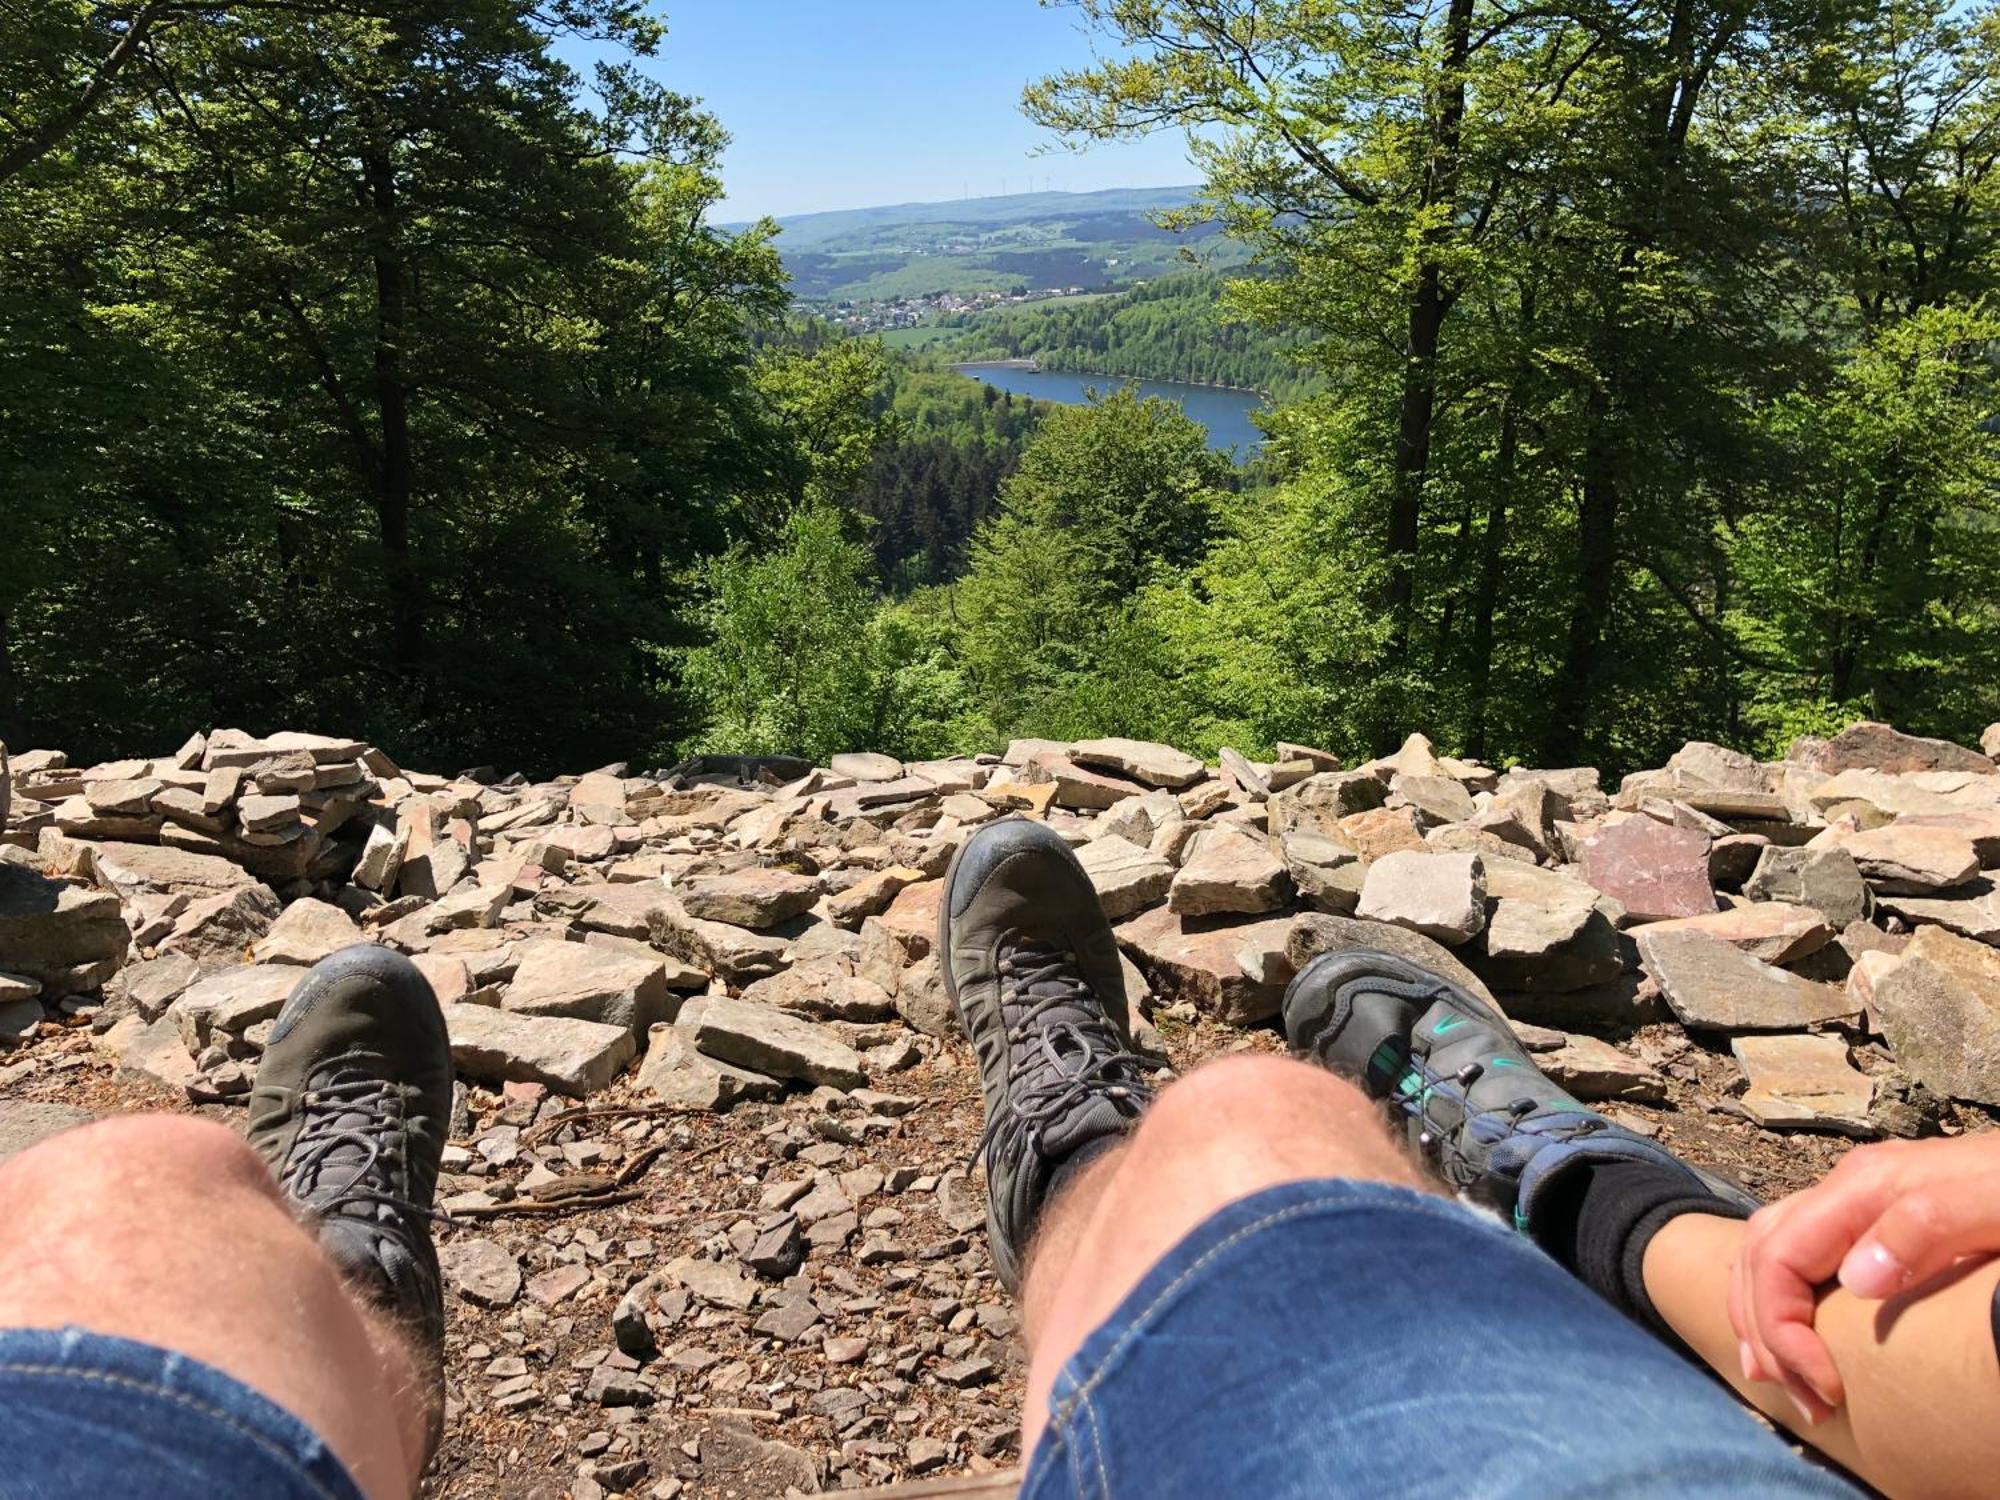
347	1108
1050	978
1442	1136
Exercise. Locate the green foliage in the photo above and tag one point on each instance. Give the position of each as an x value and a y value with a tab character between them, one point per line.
367	368
927	491
1869	585
1107	497
786	665
1172	329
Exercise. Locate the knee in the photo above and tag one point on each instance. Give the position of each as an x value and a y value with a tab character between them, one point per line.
1248	1120
1249	1091
134	1158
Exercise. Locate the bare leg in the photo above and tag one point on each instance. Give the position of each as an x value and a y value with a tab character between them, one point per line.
1221	1134
169	1231
1922	1377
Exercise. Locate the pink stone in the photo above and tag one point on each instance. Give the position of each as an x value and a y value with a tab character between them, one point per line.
1657	872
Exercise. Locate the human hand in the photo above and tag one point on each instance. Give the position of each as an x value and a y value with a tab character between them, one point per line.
1886	1219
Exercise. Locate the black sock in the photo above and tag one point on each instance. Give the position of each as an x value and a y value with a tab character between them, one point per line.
1075	1164
1600	1230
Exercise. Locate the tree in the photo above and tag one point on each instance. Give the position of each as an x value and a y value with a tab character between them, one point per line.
1106	497
785	665
443	384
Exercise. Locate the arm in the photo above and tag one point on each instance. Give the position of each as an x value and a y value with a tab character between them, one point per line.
1919	1375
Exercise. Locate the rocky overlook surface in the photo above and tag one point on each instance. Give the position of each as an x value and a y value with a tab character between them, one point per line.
716	1226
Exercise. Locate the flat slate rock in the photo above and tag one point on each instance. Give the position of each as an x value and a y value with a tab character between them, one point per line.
1939	1006
1877	747
1774	931
1973	910
1594	1070
588	981
1654	871
1827	880
1126	877
1912	860
1229	871
306	932
759	899
675	1072
864	766
481	1271
1549	948
766	1040
1804	1083
1442	896
1200	960
1712	986
1155	765
570	1056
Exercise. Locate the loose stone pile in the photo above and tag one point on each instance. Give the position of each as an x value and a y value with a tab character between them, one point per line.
760	932
747	926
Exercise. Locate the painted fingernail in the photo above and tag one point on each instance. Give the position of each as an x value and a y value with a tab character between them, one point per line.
1749	1360
1806	1414
1871	1271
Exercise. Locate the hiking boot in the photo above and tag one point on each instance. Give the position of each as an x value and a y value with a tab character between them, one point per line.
1029	962
1448	1065
350	1112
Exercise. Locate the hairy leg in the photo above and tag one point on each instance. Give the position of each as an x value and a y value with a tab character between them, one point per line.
1227	1131
1921	1372
170	1232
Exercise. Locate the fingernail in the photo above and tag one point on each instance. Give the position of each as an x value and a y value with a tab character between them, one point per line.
1749	1360
1806	1414
1871	1271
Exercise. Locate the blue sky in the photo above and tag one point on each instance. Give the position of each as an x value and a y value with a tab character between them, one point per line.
854	103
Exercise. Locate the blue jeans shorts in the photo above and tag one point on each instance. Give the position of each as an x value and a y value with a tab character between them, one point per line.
84	1416
1352	1339
1319	1339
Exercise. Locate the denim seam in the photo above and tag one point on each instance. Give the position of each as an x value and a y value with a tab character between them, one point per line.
1096	1446
181	1398
1134	1326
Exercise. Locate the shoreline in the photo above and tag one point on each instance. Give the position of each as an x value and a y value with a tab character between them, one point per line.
1034	367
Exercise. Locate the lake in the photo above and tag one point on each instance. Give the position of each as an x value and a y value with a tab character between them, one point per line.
1226	414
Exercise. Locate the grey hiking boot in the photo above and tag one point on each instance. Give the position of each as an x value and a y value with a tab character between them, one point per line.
1029	962
350	1112
1448	1066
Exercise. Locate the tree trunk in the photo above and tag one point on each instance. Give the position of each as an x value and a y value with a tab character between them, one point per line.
1491	552
1429	304
1849	630
12	729
396	469
1596	563
1668	119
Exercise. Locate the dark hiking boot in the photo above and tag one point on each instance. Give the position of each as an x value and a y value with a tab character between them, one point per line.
1447	1065
350	1112
1029	962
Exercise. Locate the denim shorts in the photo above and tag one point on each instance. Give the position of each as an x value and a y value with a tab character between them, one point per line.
84	1416
1342	1338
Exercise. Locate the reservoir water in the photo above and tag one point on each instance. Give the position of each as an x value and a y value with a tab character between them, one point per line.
1225	413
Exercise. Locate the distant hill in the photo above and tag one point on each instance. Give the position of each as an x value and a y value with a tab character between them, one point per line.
1171	329
1021	243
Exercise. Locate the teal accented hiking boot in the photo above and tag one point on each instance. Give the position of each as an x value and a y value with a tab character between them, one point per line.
350	1112
1447	1064
1030	964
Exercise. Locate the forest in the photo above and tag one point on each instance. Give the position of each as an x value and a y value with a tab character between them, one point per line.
1175	328
367	367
